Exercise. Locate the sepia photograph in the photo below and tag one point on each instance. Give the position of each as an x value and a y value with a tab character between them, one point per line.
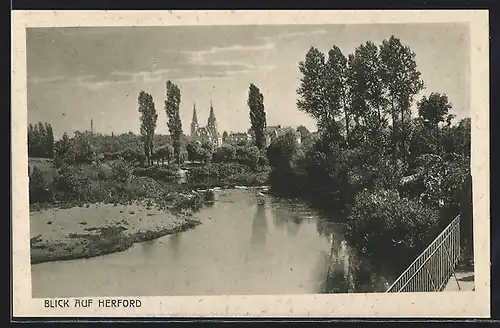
250	159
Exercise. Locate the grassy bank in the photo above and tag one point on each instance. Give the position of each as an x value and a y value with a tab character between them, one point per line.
99	229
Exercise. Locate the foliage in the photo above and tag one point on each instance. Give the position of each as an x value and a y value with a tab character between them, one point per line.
63	152
72	183
225	154
148	123
226	175
81	148
38	189
369	150
163	153
281	150
172	103
248	155
382	221
257	115
121	171
195	151
40	140
398	72
336	87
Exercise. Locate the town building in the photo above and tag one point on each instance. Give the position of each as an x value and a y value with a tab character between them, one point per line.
237	138
273	132
207	133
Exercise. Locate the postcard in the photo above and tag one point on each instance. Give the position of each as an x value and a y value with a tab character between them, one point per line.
250	163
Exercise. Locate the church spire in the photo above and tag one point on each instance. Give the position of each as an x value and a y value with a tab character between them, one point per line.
212	123
194	123
195	117
211	116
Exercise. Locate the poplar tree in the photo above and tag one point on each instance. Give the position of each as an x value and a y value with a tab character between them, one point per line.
148	123
402	79
336	87
311	92
49	141
257	115
174	124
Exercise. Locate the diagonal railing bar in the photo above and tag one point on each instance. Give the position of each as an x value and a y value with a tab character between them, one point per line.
432	269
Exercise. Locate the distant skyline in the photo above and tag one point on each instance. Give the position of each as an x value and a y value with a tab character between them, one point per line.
79	74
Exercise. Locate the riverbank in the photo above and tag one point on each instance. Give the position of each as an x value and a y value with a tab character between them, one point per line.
99	229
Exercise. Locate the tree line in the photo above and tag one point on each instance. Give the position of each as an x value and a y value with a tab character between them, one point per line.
173	97
386	172
40	140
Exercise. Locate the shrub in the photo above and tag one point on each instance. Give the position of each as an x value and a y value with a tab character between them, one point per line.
121	171
166	174
382	221
73	183
226	154
282	150
248	155
38	189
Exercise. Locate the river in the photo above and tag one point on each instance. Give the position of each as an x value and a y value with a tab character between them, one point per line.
249	243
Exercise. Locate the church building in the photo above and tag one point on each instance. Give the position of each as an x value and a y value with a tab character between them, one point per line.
207	133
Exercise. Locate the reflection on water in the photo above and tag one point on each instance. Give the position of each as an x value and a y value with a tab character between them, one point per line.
259	226
248	244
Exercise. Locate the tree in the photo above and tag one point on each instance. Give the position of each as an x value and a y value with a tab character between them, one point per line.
224	136
434	110
207	151
31	139
148	123
257	115
248	155
49	141
42	136
81	149
281	151
400	75
226	153
336	86
304	132
174	123
367	90
38	191
62	150
195	151
165	152
312	93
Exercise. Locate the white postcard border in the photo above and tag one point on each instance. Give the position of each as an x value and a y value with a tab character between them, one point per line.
445	304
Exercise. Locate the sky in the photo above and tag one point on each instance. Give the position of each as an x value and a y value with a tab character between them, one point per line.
82	73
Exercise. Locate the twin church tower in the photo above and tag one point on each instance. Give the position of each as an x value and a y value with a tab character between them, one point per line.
208	133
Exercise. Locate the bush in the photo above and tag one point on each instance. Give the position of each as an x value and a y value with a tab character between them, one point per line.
282	150
73	183
38	189
382	222
225	154
165	174
248	155
225	174
121	171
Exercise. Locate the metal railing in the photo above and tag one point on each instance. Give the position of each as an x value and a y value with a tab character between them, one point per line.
435	266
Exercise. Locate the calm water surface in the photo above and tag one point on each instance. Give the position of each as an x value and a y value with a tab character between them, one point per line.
247	244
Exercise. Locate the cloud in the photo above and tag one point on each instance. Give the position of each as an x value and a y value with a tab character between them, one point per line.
291	35
202	78
200	56
189	72
46	80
